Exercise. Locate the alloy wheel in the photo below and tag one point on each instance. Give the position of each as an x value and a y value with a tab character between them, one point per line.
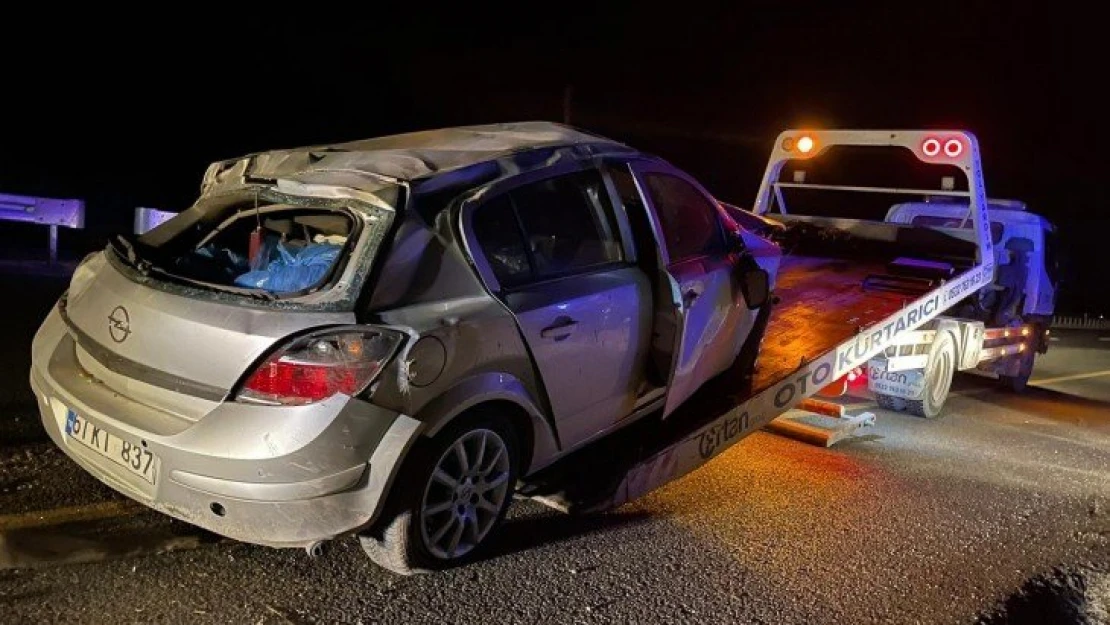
465	494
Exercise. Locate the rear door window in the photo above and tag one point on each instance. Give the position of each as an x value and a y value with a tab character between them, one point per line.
502	242
691	227
547	229
569	223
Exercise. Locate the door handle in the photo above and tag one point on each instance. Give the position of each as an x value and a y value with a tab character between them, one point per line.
561	329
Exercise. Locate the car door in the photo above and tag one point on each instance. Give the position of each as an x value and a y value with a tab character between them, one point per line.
711	317
560	264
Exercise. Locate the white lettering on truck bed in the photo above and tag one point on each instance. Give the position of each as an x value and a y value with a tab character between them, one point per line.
695	449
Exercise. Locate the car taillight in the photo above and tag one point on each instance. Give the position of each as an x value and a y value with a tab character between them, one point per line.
320	365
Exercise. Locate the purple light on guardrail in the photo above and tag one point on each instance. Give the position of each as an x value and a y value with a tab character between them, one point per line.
42	210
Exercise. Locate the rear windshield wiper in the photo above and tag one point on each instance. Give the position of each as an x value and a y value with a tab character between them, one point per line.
126	250
254	293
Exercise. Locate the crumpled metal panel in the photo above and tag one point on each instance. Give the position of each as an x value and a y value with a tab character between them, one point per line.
408	157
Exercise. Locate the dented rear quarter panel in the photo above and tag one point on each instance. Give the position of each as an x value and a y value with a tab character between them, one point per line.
426	284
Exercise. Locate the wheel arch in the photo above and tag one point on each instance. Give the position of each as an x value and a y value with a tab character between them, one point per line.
506	394
960	333
928	406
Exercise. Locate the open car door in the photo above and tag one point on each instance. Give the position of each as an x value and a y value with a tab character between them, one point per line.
700	319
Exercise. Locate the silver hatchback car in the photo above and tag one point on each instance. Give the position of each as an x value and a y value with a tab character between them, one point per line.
384	337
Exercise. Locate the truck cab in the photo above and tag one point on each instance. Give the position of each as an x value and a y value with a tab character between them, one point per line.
1018	303
1013	228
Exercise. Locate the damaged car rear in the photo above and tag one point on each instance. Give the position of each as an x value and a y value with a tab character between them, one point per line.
381	337
219	393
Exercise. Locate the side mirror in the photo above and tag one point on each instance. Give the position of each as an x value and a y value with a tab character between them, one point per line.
756	288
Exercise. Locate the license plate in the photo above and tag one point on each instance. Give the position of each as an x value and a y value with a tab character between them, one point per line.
128	455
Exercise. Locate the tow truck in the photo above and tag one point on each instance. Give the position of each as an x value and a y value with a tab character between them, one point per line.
1015	311
896	298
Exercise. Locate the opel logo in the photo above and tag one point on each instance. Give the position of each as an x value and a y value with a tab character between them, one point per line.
119	324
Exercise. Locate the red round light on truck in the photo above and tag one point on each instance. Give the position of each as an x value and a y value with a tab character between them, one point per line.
953	148
931	147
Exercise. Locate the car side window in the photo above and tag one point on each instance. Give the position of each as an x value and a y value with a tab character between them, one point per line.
569	223
691	226
626	186
502	242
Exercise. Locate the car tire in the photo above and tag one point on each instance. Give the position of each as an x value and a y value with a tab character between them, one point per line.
890	402
746	360
938	378
1017	383
450	499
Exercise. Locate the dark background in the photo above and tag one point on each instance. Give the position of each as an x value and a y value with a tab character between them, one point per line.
127	110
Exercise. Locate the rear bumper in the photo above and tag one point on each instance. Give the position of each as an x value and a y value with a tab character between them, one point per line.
275	476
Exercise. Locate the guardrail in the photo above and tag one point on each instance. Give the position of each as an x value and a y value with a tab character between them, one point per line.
44	211
1081	323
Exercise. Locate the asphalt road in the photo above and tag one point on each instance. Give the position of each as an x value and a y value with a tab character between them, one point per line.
1083	370
914	521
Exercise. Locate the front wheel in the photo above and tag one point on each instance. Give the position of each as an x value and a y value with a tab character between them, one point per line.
890	402
938	377
742	371
1017	383
453	496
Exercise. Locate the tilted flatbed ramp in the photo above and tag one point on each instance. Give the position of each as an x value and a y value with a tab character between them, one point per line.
822	304
828	322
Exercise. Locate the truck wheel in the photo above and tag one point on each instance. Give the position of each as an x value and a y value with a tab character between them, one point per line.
890	402
453	495
1017	383
938	377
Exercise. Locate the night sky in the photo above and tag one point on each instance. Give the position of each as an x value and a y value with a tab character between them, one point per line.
126	117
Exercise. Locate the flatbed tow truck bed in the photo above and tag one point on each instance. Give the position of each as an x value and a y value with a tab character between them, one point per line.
833	314
823	303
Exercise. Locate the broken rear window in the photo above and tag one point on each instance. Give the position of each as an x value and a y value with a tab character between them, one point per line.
275	246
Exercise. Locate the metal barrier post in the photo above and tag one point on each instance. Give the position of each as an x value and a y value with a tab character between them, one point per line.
53	243
43	211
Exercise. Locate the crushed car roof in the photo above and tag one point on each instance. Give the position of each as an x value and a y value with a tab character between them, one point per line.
415	155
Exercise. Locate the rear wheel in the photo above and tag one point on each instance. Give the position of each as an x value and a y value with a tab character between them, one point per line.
454	494
890	402
1017	383
938	377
